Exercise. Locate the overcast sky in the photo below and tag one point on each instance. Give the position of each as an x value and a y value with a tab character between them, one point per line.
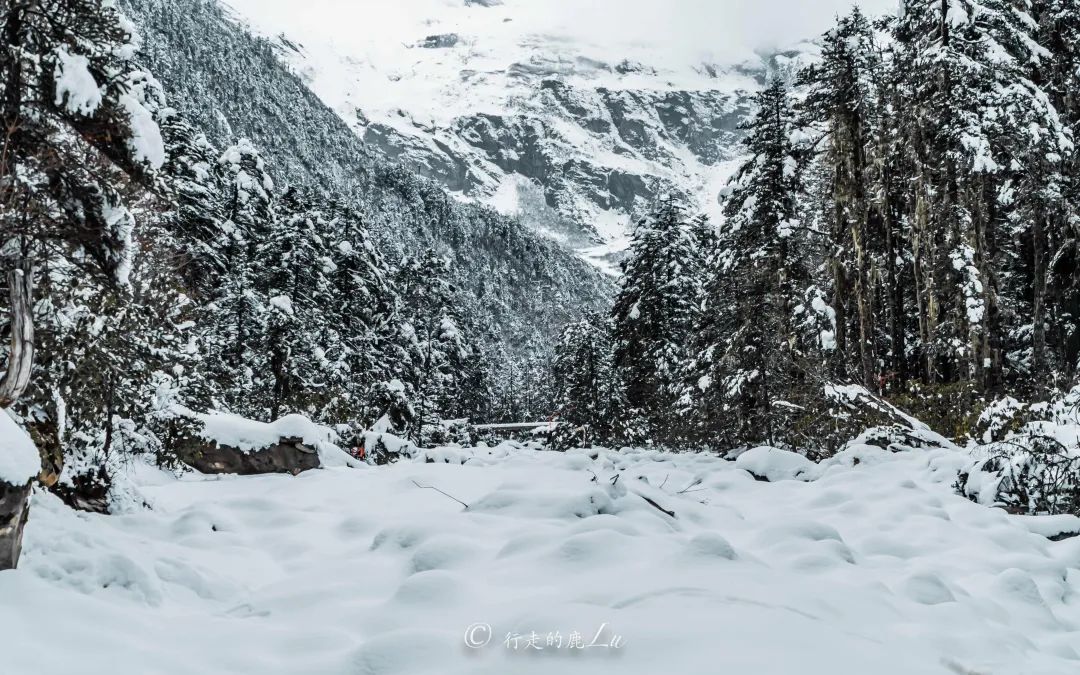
708	26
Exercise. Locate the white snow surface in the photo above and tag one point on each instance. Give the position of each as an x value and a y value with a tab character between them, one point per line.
19	459
76	88
249	435
874	567
146	143
773	464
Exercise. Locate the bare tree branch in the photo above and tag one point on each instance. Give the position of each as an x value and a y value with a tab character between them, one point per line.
431	487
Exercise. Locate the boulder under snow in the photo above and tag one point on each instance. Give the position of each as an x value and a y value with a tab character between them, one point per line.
19	464
226	443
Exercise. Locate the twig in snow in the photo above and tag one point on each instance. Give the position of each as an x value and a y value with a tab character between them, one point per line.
656	506
665	481
687	488
431	487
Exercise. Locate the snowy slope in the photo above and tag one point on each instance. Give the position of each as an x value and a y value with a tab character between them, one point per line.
874	567
576	116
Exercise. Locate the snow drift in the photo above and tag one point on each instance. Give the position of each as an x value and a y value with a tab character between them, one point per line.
876	566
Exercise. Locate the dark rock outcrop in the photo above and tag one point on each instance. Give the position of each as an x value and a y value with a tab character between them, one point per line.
441	41
86	491
14	511
289	455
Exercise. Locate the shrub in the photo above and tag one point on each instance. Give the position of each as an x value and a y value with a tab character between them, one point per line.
1032	473
949	409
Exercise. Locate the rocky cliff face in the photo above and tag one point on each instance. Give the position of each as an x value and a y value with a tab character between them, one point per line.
576	139
595	154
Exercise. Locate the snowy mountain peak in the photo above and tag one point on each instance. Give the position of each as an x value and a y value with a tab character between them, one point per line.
573	121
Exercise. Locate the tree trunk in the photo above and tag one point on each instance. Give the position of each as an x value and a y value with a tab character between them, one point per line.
14	36
925	287
1038	305
21	357
895	290
14	511
862	304
14	499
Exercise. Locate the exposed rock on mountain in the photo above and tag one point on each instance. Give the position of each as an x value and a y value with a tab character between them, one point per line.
574	138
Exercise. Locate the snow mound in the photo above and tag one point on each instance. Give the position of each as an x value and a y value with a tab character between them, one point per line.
773	464
249	435
875	567
19	459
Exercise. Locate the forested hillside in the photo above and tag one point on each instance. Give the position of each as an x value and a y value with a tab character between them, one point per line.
517	288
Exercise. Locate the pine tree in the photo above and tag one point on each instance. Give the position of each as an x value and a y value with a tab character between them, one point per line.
654	315
586	389
842	95
236	318
100	404
363	309
81	146
195	183
754	344
1059	74
971	102
437	346
78	120
293	272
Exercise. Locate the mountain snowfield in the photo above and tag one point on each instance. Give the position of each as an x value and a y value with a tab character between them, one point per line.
868	563
575	116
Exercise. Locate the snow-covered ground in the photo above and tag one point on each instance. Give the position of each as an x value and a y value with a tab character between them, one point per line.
874	567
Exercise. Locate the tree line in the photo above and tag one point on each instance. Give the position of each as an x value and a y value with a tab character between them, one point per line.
906	222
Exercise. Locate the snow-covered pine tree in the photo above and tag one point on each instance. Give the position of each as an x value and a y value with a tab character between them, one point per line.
1059	31
196	187
363	310
538	399
119	361
760	331
81	145
437	347
293	270
890	167
842	93
655	313
235	321
249	206
974	119
76	123
78	129
585	386
505	391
